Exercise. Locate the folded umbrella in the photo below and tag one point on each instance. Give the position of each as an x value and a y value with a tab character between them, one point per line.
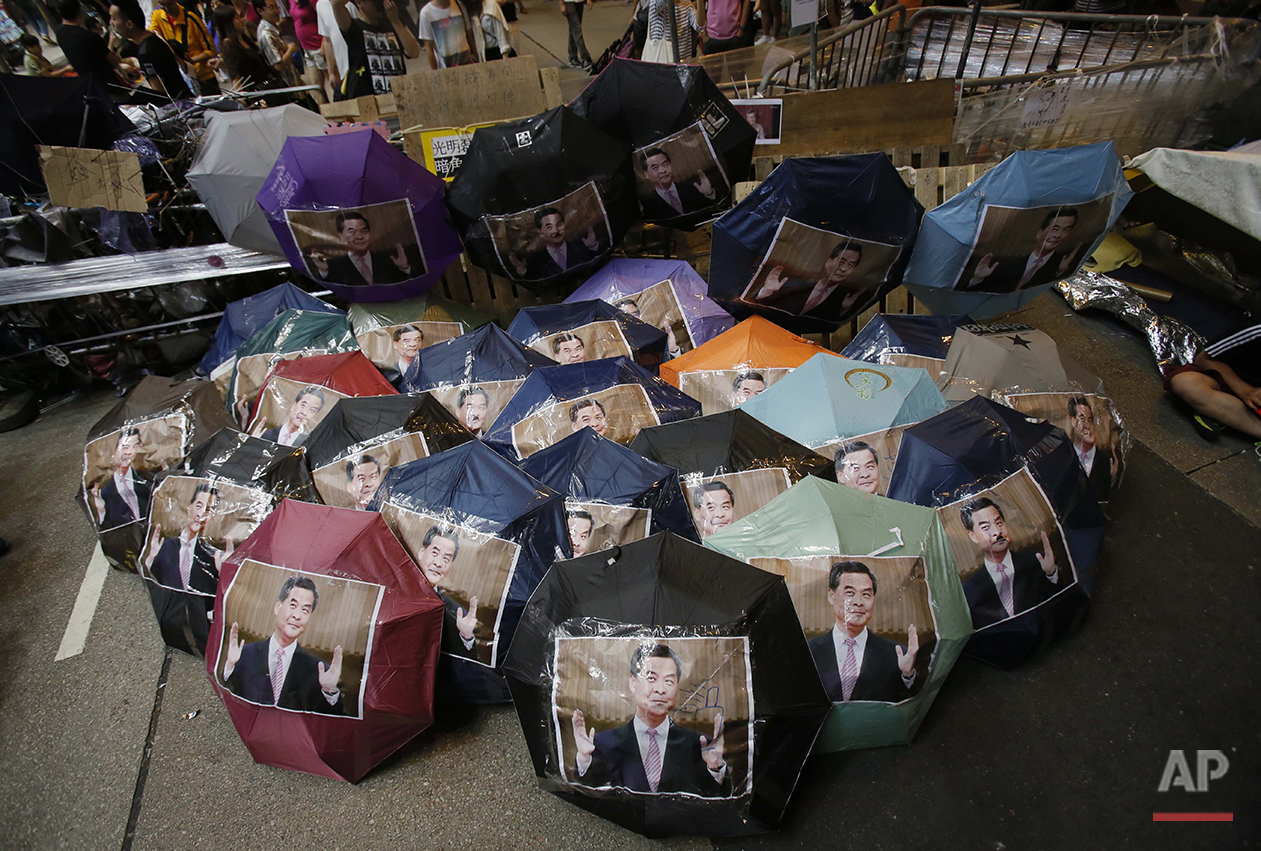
244	318
588	330
391	333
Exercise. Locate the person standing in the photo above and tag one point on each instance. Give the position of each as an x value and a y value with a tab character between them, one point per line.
187	35
307	31
87	53
578	55
379	33
332	43
452	36
158	63
274	49
727	23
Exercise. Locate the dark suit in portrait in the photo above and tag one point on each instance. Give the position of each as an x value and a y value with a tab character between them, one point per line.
1006	277
541	265
1030	586
273	434
656	207
1100	476
617	762
204	577
341	270
117	512
793	295
300	690
880	678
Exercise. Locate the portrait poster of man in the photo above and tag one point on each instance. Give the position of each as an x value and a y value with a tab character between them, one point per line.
194	524
680	175
764	116
718	501
251	374
359	246
812	272
118	467
867	619
477	404
726	389
298	641
616	412
1021	247
544	241
865	462
588	342
1009	549
655	715
289	410
392	347
1091	422
470	570
595	526
659	306
352	480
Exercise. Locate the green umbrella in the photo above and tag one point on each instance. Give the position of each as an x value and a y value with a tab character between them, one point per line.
893	571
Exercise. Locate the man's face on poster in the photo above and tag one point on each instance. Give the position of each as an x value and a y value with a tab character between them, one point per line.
1051	237
853	600
1084	427
125	452
630	308
364	481
199	512
717	512
474	411
356	235
839	268
860	470
572	351
303	410
593	416
655	688
436	560
580	535
989	532
659	170
552	230
748	388
294	613
407	345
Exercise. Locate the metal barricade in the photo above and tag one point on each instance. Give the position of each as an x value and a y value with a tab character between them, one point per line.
863	53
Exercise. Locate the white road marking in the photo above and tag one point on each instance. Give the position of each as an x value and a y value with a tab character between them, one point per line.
76	635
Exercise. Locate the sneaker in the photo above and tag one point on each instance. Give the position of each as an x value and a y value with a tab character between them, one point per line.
1207	428
762	39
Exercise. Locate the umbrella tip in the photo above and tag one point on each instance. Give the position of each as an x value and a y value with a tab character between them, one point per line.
614	553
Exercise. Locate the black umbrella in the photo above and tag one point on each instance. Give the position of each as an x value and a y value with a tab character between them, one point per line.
678	111
718	645
544	199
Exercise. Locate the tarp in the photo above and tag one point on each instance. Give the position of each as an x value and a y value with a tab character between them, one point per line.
802	535
547	328
974	251
285	411
337	586
625	496
817	242
483	534
1224	184
614	396
663	628
341	203
675	109
245	318
682	304
903	339
237	153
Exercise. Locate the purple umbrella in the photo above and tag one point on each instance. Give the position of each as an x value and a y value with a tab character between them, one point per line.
354	214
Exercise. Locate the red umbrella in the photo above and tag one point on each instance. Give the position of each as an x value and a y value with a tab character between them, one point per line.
357	629
298	394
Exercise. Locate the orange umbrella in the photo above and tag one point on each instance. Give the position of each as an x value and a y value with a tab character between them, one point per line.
738	364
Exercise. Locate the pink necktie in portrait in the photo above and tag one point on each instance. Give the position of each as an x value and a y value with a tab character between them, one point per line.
849	674
278	675
653	768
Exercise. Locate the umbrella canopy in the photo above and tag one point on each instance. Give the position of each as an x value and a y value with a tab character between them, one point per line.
916	618
1010	491
354	214
361	440
675	118
729	464
366	627
601	627
214	497
291	334
976	252
245	318
483	533
1009	357
613	495
300	393
543	200
738	364
390	333
901	339
831	402
667	294
149	431
817	242
602	331
613	396
237	153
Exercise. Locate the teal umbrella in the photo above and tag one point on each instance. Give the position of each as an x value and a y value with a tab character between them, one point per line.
896	585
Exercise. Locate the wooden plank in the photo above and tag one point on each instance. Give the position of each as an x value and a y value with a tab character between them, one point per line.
550	78
902	158
926	183
471	94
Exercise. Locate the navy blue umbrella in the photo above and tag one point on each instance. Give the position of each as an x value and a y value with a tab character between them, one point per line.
900	339
483	533
816	243
547	327
245	318
1027	471
486	354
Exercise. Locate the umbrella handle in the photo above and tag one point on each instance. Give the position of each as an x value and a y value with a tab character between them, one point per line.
897	533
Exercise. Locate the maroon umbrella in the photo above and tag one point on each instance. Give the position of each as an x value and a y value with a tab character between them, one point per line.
357	629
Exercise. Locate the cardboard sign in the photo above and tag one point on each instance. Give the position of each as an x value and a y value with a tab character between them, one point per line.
443	148
84	177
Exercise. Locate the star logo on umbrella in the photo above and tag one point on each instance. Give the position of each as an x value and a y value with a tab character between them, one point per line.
1017	340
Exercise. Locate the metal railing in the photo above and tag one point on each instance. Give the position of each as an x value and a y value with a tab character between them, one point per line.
863	53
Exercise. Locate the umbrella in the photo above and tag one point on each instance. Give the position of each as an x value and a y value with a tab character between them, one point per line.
803	535
613	396
738	364
390	333
216	496
483	533
362	439
354	214
729	464
817	242
291	334
245	318
237	153
975	253
666	607
150	430
588	330
474	375
544	199
300	393
829	402
662	293
672	116
1009	357
901	339
613	495
1019	485
339	587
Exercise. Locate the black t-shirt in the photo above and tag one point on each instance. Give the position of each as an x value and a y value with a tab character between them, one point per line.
86	52
158	62
374	56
